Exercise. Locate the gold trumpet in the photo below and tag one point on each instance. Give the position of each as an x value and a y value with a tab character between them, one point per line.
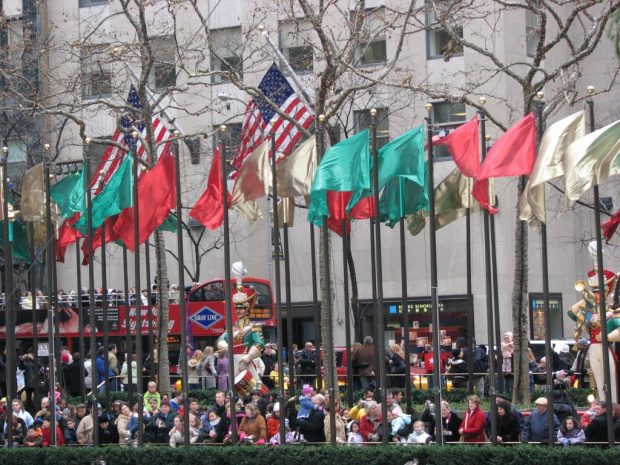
580	286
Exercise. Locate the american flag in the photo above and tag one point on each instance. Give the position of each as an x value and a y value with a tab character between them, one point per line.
114	156
256	127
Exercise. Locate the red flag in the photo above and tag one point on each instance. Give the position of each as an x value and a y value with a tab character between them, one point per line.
609	227
209	210
156	197
464	147
337	203
66	235
110	236
513	154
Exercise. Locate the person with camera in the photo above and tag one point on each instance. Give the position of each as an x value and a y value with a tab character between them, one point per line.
26	363
307	364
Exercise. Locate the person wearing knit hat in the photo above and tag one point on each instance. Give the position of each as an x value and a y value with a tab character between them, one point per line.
581	365
305	402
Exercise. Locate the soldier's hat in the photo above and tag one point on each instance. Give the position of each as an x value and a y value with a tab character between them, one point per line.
608	276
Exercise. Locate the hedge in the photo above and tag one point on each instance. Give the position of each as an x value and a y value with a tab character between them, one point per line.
342	455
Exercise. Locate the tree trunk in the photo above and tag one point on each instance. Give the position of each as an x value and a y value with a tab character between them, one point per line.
163	315
327	376
520	326
355	305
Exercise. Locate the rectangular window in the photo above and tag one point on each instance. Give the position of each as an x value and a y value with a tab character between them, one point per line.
531	32
87	3
438	41
18	159
232	138
372	47
96	71
296	46
362	120
15	43
227	45
446	116
163	73
95	152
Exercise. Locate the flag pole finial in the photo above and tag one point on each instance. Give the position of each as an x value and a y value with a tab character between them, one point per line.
373	112
482	100
273	121
46	147
5	149
429	106
176	133
223	128
590	90
487	137
88	140
134	134
322	118
540	95
261	27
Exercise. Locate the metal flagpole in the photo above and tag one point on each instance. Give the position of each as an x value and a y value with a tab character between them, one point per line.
228	293
91	306
276	240
181	271
287	287
106	323
434	280
130	379
11	362
489	294
316	309
80	308
498	338
470	301
35	313
149	304
328	298
50	310
347	310
539	106
602	303
405	306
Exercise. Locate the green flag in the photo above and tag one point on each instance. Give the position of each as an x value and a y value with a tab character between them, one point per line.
345	167
403	176
115	196
19	240
76	201
62	191
169	224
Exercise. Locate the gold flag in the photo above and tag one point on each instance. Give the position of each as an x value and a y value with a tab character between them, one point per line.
253	177
33	194
550	164
296	172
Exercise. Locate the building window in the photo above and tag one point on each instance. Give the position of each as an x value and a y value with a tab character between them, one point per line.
227	57
96	71
18	159
447	116
163	73
15	43
439	43
87	3
232	138
532	33
362	120
372	49
296	45
95	152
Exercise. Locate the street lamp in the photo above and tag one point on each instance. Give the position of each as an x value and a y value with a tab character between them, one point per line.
225	97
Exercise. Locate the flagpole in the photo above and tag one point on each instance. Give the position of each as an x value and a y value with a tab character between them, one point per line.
315	307
80	309
130	379
287	281
181	271
379	278
106	324
498	354
276	240
11	362
405	306
434	279
136	256
470	301
50	311
489	293
149	304
35	314
347	322
91	297
227	293
327	297
609	396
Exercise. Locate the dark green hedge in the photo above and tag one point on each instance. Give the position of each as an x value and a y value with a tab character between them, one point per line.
256	455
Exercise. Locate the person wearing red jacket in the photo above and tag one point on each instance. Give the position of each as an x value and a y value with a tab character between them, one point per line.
46	434
369	423
472	427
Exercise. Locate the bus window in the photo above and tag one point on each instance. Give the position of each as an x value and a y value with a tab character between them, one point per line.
211	292
264	296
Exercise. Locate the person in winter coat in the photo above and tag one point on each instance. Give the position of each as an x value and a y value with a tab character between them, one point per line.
160	424
313	427
472	427
458	370
253	426
26	363
122	423
221	367
397	366
537	429
370	421
450	421
363	360
46	434
208	369
341	436
571	433
419	436
508	428
74	377
193	377
134	373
